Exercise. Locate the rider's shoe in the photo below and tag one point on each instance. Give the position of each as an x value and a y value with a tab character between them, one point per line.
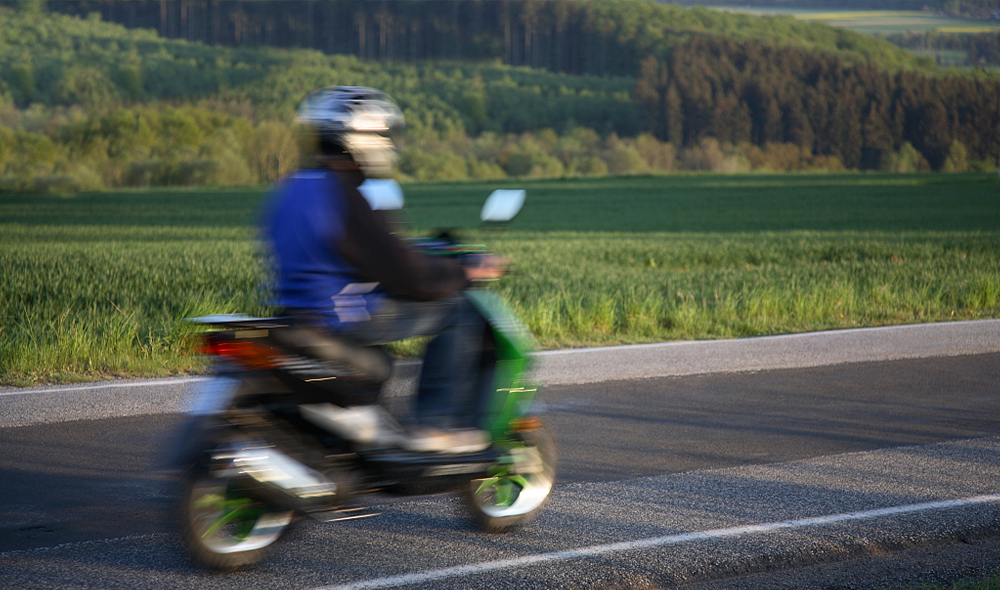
374	427
453	441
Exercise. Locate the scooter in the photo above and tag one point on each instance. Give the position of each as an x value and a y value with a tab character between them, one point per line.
276	434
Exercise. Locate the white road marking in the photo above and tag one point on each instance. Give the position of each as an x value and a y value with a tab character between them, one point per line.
174	381
652	542
35	550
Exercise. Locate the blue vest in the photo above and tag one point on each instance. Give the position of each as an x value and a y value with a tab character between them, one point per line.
305	219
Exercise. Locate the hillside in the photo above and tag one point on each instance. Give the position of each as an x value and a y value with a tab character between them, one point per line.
605	37
57	60
89	104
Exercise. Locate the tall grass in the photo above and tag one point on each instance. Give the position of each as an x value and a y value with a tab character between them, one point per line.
96	301
581	289
96	285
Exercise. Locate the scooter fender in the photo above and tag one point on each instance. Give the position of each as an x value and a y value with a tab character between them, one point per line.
191	439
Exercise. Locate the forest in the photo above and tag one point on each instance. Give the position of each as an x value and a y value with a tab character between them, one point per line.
527	89
751	93
603	37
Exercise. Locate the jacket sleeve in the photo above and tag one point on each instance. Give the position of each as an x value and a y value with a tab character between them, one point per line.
379	255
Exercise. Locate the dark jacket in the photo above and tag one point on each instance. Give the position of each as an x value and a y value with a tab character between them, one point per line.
336	257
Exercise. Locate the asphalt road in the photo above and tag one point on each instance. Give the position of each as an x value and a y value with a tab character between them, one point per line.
703	475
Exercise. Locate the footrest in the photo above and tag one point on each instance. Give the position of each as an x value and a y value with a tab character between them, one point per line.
345	513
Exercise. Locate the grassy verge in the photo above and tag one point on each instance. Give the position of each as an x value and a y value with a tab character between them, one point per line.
95	285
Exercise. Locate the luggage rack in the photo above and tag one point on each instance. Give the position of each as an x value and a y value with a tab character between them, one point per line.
240	321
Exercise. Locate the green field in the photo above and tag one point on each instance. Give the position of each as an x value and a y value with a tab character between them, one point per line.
882	22
95	286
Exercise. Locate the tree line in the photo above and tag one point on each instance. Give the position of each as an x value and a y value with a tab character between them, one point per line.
49	60
754	93
602	37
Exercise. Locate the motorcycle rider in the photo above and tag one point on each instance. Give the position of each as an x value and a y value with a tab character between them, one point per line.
340	268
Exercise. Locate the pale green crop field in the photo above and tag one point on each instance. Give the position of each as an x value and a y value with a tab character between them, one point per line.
882	22
96	285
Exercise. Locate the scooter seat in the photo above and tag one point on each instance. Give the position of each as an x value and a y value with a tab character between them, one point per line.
339	356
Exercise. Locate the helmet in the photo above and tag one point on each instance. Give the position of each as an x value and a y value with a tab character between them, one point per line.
358	121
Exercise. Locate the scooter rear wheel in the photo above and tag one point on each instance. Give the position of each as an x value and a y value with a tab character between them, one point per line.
222	528
520	484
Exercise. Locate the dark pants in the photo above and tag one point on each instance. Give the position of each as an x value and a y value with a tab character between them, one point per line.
448	395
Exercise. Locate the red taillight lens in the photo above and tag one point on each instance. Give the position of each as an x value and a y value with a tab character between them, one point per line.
250	354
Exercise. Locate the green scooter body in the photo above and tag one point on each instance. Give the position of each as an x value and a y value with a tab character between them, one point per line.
513	394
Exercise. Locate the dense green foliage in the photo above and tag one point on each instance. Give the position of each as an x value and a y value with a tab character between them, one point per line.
96	285
605	37
62	61
863	116
233	125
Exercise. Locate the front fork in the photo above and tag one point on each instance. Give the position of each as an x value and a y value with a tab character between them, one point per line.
200	425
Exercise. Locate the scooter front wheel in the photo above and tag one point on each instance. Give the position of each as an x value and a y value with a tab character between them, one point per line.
519	484
222	528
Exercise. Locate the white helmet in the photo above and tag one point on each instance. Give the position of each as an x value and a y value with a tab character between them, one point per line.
356	120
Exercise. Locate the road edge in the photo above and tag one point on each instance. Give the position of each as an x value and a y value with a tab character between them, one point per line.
48	404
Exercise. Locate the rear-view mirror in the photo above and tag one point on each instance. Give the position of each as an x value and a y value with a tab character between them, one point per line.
502	205
382	194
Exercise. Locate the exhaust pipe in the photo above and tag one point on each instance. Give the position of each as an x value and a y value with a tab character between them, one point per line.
285	482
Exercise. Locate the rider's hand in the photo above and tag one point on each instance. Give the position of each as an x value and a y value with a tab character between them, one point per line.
486	267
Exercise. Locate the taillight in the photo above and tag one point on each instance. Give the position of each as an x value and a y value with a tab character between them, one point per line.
250	354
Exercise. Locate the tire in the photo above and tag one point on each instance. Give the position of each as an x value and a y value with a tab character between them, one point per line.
510	499
222	529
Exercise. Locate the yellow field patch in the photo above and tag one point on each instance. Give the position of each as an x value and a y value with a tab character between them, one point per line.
861	14
969	29
894	19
